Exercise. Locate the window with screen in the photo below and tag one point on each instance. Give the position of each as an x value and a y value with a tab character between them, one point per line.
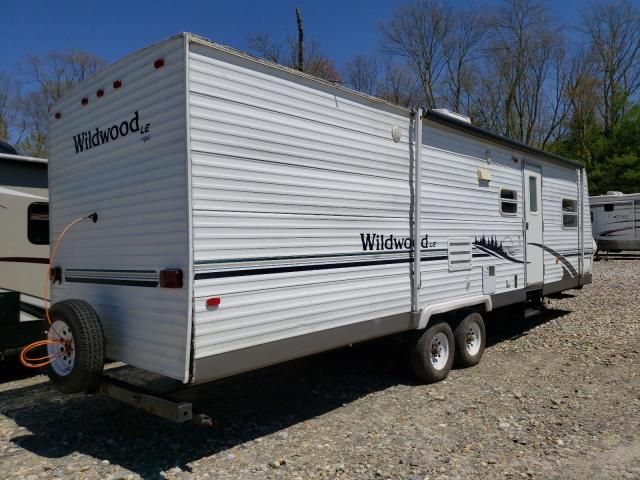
508	202
533	194
38	223
569	213
608	207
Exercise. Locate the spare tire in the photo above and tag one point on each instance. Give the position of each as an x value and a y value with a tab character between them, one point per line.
80	359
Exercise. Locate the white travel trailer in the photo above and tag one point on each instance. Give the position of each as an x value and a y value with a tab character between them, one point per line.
615	221
24	249
247	214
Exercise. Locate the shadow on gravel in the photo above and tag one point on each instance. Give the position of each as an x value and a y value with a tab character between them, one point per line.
509	324
244	408
11	370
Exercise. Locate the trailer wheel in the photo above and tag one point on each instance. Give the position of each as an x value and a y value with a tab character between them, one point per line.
80	362
433	352
469	335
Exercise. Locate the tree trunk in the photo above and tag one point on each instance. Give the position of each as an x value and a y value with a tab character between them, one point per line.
300	40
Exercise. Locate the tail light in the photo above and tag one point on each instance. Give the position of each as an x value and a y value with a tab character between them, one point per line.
171	278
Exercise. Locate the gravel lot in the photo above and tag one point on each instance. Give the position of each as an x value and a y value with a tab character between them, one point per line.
555	396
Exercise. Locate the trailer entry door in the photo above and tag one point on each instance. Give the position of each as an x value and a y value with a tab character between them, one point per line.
533	224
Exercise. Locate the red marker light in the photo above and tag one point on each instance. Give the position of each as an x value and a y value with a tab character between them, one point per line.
58	115
159	63
84	101
117	84
99	93
213	302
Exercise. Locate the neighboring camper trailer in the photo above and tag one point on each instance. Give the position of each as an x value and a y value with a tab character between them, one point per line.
24	249
615	221
247	214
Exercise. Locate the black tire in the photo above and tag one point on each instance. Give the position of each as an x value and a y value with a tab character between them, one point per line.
421	354
466	356
89	347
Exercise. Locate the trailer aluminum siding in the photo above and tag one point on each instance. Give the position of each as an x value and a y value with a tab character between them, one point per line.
268	188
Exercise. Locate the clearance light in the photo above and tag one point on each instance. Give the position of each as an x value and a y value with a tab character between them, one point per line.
171	278
117	84
159	63
213	302
84	101
99	93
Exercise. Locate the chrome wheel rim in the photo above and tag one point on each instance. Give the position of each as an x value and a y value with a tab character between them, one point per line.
63	350
472	340
439	350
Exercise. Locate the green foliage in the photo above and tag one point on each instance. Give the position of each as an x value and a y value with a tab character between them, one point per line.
613	159
4	131
619	172
34	145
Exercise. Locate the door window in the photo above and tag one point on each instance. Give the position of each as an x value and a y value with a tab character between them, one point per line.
533	194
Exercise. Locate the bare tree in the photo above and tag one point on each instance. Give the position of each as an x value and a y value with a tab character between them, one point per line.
613	32
9	100
56	72
300	63
486	107
315	62
584	99
556	104
262	45
525	49
419	32
398	84
461	52
53	75
362	72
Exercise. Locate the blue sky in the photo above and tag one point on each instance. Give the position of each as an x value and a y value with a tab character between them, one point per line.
113	28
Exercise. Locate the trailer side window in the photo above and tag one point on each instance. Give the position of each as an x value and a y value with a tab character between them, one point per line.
608	207
38	223
569	213
508	202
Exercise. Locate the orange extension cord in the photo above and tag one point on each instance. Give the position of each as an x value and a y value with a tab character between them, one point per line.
38	362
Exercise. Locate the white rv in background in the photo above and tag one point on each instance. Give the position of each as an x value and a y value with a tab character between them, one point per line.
615	221
24	249
248	214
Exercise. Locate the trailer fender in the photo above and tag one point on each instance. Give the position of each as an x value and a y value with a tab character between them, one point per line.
451	305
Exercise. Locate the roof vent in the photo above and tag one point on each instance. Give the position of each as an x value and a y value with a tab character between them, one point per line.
612	192
456	116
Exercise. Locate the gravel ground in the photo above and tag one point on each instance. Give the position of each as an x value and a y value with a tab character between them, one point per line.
555	396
